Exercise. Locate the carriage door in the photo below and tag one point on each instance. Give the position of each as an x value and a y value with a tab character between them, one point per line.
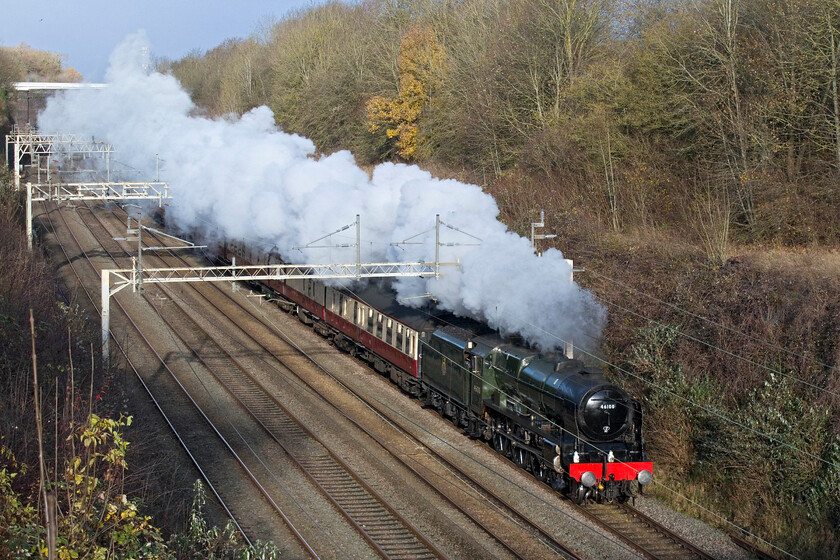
476	367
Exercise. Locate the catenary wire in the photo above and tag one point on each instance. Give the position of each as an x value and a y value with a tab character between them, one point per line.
537	413
707	410
712	346
431	434
707	320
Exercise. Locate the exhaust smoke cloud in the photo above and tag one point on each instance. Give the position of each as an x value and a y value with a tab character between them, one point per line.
257	183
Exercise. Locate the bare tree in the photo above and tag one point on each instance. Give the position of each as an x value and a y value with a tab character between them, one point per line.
831	21
711	215
705	63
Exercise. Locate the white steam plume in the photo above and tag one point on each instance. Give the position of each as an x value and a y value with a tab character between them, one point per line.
257	183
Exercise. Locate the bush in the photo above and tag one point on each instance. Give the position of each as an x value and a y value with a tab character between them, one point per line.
201	542
767	459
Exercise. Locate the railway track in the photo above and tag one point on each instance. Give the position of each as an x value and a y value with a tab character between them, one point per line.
192	440
640	533
643	535
430	465
427	466
267	413
185	438
388	533
646	536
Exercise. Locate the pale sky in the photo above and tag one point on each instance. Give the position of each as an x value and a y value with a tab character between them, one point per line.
86	31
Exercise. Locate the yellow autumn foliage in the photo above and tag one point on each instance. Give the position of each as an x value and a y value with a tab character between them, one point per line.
421	61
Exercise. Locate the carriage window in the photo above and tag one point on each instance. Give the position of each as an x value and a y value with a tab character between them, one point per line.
357	313
389	333
370	321
378	325
399	341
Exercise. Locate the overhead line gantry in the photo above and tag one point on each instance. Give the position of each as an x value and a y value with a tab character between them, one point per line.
31	143
233	273
119	192
38	145
137	275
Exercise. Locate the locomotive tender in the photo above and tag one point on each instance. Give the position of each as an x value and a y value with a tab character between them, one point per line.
550	415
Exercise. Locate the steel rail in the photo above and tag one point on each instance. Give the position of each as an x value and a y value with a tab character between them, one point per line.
648	537
289	523
137	373
759	553
495	497
386	550
681	542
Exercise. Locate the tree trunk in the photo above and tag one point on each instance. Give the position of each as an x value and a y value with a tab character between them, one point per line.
729	11
834	93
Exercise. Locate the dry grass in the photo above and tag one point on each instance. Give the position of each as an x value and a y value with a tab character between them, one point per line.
800	263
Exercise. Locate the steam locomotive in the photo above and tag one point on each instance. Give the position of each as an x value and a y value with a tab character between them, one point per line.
551	415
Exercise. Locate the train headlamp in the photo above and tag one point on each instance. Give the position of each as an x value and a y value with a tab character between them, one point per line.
588	479
645	477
